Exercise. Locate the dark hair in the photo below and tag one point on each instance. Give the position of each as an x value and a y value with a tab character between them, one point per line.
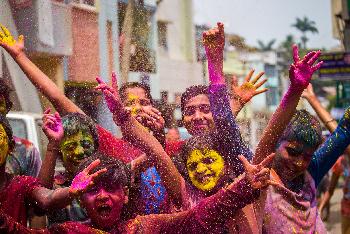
200	142
130	85
191	92
303	128
75	122
7	127
5	92
117	172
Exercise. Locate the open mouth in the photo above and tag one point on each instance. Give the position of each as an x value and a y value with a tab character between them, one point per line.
205	178
104	210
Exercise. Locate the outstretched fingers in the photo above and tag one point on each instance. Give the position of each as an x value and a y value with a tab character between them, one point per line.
317	66
308	56
314	58
249	76
99	172
296	57
268	160
257	77
92	166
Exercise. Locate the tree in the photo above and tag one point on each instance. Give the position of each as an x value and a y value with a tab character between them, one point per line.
267	46
305	25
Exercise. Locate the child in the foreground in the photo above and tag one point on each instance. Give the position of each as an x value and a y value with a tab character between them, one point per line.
105	200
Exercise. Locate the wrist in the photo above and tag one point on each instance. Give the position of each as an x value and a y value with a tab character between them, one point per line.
19	55
53	146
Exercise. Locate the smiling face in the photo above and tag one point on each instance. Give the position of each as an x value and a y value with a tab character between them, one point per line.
75	148
4	145
104	204
205	168
136	99
292	159
197	116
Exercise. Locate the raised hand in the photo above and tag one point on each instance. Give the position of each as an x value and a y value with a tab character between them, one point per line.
249	88
13	47
151	118
214	42
308	92
84	180
111	95
52	126
258	175
300	72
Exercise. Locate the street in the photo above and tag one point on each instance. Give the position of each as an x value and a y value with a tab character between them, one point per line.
334	221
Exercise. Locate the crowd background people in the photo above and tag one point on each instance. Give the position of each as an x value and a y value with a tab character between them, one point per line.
152	182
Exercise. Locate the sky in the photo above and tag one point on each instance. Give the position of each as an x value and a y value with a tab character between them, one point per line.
268	19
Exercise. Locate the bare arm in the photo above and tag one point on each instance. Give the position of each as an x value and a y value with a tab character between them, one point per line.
300	74
53	129
43	83
134	132
329	193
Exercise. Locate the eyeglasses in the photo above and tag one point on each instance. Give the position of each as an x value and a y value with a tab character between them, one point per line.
191	110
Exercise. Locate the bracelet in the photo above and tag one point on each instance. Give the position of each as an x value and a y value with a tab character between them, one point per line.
331	120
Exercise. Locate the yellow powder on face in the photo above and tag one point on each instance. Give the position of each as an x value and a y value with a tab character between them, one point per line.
4	145
207	163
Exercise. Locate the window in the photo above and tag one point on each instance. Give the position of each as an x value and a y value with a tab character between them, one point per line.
162	28
272	96
19	128
43	141
85	2
270	70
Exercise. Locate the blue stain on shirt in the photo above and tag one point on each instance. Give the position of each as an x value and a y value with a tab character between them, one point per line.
152	191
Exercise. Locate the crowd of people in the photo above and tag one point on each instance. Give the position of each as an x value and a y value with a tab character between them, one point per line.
147	183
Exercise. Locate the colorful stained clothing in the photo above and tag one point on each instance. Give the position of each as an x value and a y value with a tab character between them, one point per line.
208	216
116	147
231	142
72	212
342	166
24	160
292	212
329	152
15	197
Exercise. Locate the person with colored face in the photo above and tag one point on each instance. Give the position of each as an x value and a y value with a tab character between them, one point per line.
74	139
75	148
18	193
25	158
4	143
106	199
298	168
205	167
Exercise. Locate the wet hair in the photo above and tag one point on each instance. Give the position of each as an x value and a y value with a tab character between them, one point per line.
303	128
117	172
7	127
75	122
191	92
5	91
130	85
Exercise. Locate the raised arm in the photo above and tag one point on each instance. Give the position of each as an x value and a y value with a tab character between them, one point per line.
300	73
43	83
212	213
329	152
321	112
134	132
227	129
242	94
53	129
55	199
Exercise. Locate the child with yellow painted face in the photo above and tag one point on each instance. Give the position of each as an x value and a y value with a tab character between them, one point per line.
72	139
19	193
